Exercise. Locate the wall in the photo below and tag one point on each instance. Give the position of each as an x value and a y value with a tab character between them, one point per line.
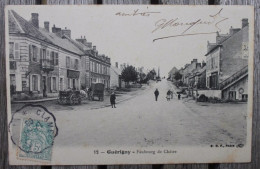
209	93
242	84
232	59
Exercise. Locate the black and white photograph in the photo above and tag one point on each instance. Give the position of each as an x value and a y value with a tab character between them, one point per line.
129	84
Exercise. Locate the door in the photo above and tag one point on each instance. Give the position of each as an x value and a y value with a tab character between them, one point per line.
232	95
74	83
44	88
61	84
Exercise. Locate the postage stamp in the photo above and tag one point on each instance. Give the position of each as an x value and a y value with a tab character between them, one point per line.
33	129
36	140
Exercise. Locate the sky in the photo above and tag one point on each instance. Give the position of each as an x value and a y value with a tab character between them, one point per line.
129	39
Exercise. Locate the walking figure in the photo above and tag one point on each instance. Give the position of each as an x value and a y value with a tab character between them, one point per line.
171	94
113	100
156	93
168	95
179	96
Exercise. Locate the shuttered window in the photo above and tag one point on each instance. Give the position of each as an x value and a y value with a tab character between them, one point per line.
16	51
68	62
56	62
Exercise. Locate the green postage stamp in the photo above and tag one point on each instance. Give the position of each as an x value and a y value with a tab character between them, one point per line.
36	140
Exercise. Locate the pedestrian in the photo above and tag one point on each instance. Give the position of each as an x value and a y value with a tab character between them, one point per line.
179	96
113	100
156	93
171	94
168	95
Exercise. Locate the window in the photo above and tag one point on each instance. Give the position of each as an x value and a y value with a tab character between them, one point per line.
95	66
52	58
56	62
244	97
34	53
76	66
17	51
43	55
12	65
90	66
68	83
34	82
54	84
61	84
68	62
11	50
12	83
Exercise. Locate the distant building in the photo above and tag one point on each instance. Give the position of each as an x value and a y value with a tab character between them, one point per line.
188	71
227	63
115	77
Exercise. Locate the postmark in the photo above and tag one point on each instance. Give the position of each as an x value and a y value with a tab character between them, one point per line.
33	129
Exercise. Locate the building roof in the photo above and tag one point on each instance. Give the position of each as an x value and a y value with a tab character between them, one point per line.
116	70
18	24
225	38
173	70
61	42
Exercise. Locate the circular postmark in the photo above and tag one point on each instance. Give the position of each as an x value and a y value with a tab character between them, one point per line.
33	129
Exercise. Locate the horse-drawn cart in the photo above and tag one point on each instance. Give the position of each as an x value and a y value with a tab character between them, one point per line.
69	97
96	91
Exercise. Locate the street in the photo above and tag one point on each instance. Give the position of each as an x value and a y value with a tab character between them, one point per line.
141	121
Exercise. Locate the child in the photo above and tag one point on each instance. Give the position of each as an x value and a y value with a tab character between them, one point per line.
113	100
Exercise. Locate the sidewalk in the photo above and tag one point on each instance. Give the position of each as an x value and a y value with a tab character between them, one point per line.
35	101
53	105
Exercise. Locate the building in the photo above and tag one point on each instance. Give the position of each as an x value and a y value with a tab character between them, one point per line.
96	66
115	77
227	63
188	72
42	63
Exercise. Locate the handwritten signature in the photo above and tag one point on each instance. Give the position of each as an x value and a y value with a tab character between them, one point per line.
161	24
136	13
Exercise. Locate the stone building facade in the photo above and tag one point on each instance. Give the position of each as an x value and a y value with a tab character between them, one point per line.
227	63
42	63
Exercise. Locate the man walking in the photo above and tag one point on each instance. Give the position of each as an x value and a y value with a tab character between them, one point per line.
156	93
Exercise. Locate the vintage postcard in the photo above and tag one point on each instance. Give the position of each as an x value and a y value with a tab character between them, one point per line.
129	84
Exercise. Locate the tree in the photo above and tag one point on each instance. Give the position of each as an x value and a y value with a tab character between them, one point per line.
177	76
129	74
151	75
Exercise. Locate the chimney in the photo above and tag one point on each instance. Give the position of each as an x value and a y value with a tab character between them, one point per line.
66	32
56	30
47	26
35	19
116	64
244	22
